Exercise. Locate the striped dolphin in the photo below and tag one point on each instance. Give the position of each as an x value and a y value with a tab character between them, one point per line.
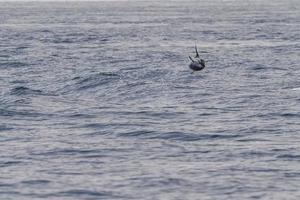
197	63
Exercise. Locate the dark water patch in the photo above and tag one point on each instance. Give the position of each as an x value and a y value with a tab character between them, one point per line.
257	196
154	74
19	81
22	90
76	78
60	172
279	68
72	38
183	87
292	174
210	32
197	152
2	55
67	151
258	170
205	114
254	154
4	128
11	193
39	116
82	193
117	61
128	113
93	156
105	39
134	84
7	185
97	133
282	150
5	139
223	110
9	163
95	125
45	31
165	114
289	157
62	40
94	80
263	36
22	48
258	67
259	130
110	74
252	140
258	21
131	68
142	133
148	182
275	115
74	194
12	64
81	115
35	182
90	38
23	101
289	115
178	136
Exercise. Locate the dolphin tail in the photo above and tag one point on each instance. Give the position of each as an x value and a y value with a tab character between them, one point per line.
197	54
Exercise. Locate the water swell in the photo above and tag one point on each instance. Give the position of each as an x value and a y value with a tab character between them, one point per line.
12	64
98	101
84	193
5	127
91	81
36	182
10	163
22	90
177	136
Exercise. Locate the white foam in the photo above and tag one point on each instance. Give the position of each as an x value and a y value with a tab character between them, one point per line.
296	88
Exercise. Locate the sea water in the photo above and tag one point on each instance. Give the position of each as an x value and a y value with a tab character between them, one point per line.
97	100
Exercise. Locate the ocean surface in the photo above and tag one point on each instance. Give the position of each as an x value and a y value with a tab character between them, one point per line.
97	100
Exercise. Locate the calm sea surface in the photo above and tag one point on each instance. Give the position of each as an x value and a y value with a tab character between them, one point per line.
97	100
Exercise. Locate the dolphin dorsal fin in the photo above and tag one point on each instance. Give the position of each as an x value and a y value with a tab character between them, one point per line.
197	54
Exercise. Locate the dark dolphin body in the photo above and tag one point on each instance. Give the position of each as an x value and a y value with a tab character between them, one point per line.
197	63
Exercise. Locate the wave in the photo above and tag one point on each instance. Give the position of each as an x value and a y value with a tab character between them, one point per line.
295	89
85	193
22	90
12	64
90	81
178	136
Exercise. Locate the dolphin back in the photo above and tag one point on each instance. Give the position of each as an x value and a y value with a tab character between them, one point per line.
196	66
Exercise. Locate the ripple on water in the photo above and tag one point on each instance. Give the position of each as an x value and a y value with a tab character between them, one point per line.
128	120
35	182
289	157
22	90
5	127
91	81
177	136
84	193
9	163
12	64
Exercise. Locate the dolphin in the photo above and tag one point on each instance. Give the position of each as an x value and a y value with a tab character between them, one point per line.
197	63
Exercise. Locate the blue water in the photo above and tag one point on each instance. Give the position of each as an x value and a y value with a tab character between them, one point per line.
97	100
